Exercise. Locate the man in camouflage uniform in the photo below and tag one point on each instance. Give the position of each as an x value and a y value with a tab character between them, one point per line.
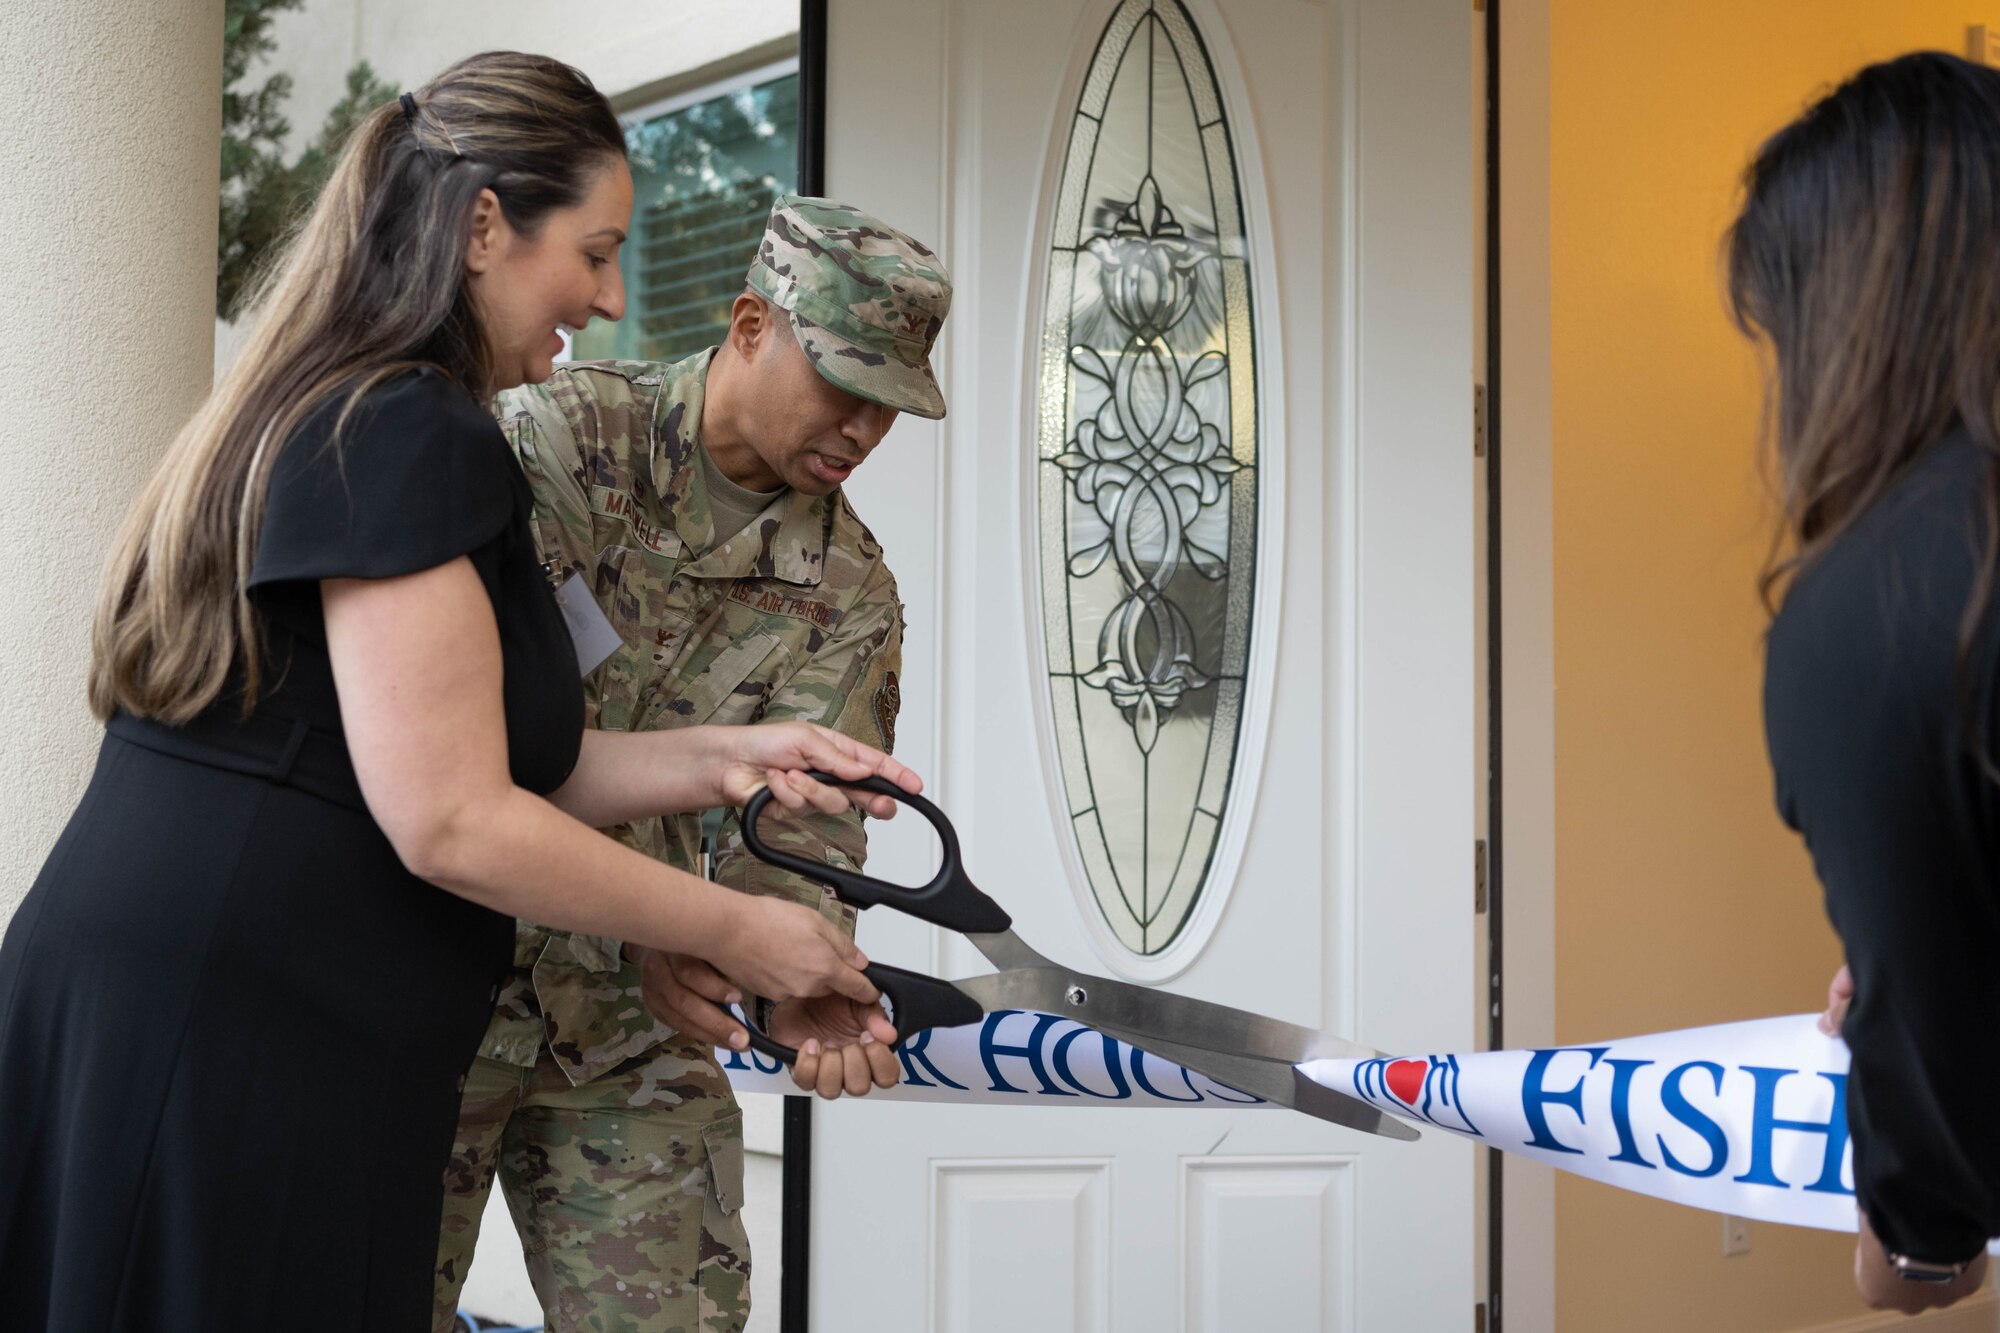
700	503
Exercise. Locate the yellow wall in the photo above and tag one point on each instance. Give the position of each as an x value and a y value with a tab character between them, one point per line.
1680	898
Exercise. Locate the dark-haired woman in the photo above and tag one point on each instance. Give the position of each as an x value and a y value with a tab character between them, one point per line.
344	750
1868	255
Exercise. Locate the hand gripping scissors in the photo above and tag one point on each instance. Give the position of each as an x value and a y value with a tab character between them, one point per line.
1245	1051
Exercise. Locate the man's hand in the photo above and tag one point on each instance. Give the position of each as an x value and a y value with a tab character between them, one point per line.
843	1045
687	995
777	754
1880	1286
1839	994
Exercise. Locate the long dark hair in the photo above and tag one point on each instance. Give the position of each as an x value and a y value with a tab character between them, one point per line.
373	284
1867	253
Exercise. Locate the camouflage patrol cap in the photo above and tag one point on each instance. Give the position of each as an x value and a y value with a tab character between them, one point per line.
866	301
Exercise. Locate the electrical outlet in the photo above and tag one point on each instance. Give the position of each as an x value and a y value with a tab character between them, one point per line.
1982	45
1735	1236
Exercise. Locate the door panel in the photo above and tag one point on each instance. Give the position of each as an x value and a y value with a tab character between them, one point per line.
1262	1242
1050	1218
1349	905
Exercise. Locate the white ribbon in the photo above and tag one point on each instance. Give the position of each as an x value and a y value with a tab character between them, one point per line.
1744	1118
1020	1058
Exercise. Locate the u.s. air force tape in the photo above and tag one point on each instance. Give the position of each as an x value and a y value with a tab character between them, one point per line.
1744	1118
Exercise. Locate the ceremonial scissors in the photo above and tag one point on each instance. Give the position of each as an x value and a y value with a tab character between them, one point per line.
1245	1051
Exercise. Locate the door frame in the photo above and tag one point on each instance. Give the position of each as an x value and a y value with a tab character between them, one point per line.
1494	864
1516	576
1523	647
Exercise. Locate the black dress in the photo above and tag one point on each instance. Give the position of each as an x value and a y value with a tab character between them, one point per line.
232	1025
1875	731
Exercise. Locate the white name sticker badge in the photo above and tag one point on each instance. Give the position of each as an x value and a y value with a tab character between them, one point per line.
589	631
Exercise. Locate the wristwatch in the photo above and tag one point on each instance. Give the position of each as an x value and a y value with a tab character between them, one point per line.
1922	1270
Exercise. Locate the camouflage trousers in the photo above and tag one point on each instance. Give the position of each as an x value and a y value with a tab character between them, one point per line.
627	1211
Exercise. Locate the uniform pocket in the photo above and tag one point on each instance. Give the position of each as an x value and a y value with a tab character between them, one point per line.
722	1277
632	591
633	595
723	691
724	1141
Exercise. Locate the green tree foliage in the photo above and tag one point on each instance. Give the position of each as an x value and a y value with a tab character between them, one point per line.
263	196
722	142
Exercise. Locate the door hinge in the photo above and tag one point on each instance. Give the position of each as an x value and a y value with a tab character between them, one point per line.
1479	875
1479	421
1479	1317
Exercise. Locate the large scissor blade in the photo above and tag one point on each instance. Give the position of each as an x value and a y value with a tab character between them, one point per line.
1279	1084
1053	990
1144	1011
1008	951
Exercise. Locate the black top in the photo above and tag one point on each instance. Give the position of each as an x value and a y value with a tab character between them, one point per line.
1869	743
419	475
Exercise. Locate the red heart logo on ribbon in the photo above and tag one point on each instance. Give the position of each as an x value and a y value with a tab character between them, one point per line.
1406	1079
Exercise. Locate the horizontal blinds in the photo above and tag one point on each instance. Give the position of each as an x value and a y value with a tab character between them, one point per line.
693	253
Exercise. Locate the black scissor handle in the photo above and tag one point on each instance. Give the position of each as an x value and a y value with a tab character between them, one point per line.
950	899
916	1002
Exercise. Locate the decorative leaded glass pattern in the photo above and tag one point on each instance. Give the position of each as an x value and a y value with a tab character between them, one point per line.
1147	449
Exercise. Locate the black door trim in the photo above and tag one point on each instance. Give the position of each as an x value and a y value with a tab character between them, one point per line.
795	1258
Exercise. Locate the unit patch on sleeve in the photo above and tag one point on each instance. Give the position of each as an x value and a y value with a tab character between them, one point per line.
888	701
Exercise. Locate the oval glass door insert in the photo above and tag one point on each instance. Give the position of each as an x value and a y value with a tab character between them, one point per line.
1147	471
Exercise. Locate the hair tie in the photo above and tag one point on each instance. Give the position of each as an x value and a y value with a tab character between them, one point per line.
409	105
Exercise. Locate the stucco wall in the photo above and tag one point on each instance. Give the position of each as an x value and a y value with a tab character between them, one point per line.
112	110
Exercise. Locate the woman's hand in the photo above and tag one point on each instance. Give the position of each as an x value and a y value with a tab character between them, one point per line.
843	1046
780	950
777	755
1882	1288
1839	995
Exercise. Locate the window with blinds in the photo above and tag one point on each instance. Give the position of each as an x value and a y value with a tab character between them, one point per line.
704	173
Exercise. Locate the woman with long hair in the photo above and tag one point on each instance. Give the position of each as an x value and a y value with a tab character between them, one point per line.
1867	257
344	750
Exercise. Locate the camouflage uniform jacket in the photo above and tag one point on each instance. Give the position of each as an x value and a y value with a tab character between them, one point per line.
795	617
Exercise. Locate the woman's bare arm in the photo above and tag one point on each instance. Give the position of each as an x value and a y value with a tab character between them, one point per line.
625	776
416	661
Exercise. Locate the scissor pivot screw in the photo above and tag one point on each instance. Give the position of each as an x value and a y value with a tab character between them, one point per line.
1076	995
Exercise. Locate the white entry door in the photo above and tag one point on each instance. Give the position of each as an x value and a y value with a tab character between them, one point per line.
1315	772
